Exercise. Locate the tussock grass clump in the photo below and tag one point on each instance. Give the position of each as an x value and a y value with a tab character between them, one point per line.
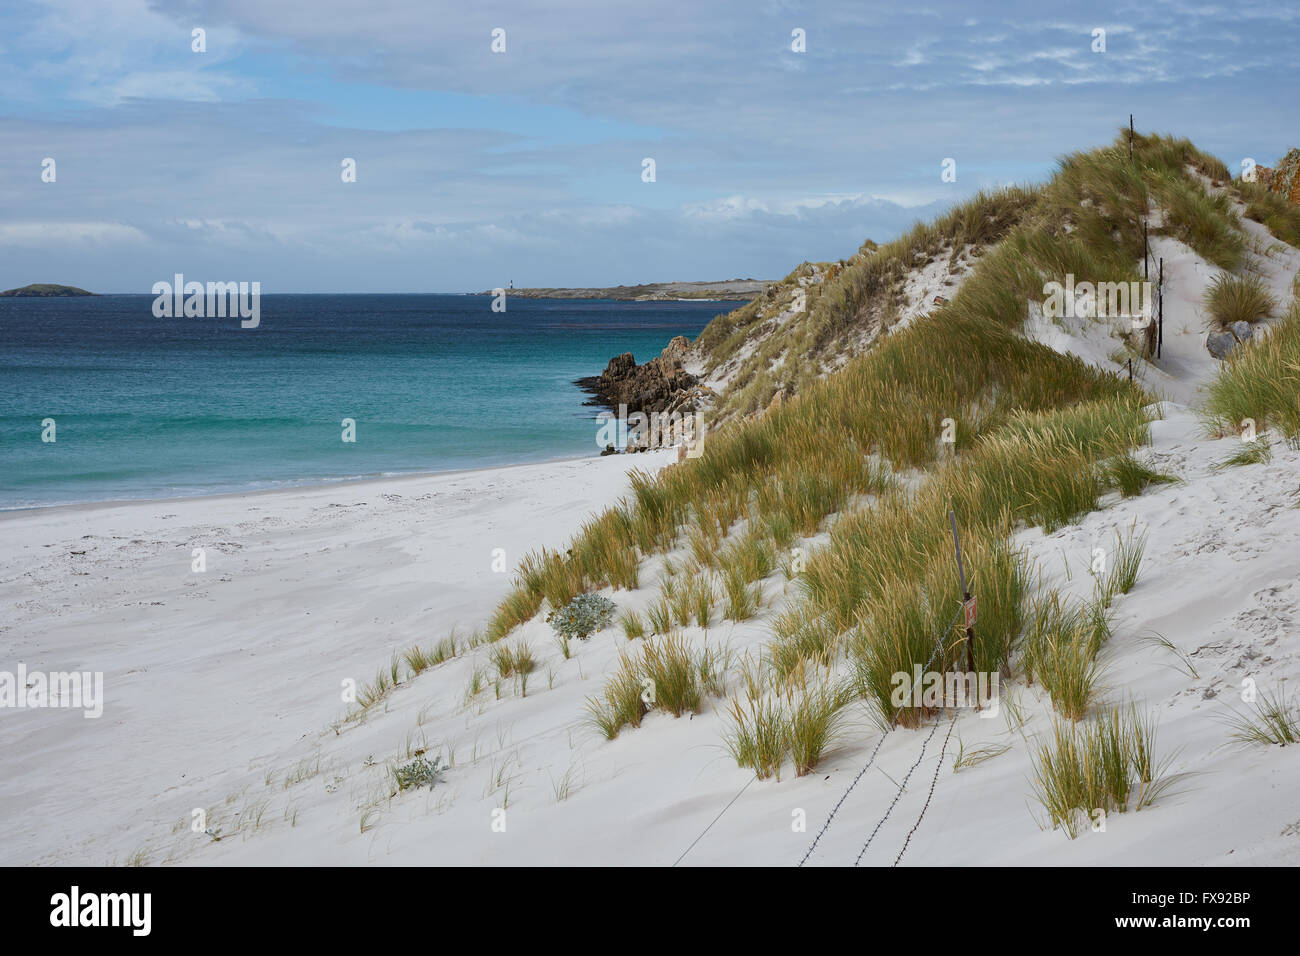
419	660
906	618
801	638
759	736
1276	721
1132	476
653	522
1097	766
475	685
1067	669
1128	558
742	598
679	603
674	678
1257	452
712	664
898	630
704	539
511	661
1232	299
370	694
621	704
750	558
665	674
801	723
603	551
520	605
549	574
1060	650
816	711
703	597
781	528
660	616
632	624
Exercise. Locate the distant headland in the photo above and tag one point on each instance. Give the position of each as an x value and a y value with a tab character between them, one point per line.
742	289
46	290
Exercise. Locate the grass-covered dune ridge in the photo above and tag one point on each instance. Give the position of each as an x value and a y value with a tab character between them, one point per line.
967	362
1087	220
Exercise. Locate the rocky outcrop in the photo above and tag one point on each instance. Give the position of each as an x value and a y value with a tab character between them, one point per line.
1284	178
660	385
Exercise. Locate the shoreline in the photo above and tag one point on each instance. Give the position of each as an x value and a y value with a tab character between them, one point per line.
297	486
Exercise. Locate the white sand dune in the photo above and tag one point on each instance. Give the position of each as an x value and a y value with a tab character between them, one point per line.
227	687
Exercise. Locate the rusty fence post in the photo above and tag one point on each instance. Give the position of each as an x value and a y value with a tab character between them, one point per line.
966	600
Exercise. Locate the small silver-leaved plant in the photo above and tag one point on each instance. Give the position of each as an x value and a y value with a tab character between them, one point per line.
583	616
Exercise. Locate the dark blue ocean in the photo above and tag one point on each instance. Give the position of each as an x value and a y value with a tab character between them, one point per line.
146	407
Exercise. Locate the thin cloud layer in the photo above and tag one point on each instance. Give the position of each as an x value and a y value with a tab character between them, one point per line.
473	165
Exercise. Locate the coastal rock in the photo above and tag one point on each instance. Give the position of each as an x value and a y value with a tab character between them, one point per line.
1224	342
678	347
1284	178
660	385
1220	344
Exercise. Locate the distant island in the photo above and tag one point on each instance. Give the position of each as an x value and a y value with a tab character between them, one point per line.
741	289
46	290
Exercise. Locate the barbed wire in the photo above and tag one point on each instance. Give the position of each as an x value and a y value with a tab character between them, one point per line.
901	787
939	766
818	621
715	820
892	724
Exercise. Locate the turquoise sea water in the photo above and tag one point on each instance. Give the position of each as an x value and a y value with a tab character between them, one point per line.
147	407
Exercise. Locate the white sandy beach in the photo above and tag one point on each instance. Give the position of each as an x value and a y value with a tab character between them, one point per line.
209	674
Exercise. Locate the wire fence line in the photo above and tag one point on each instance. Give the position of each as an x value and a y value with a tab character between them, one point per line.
806	624
938	646
714	820
933	783
898	795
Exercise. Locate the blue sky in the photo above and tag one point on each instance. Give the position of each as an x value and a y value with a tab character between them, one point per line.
478	168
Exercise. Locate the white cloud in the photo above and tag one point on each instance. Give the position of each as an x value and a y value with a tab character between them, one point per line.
61	233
